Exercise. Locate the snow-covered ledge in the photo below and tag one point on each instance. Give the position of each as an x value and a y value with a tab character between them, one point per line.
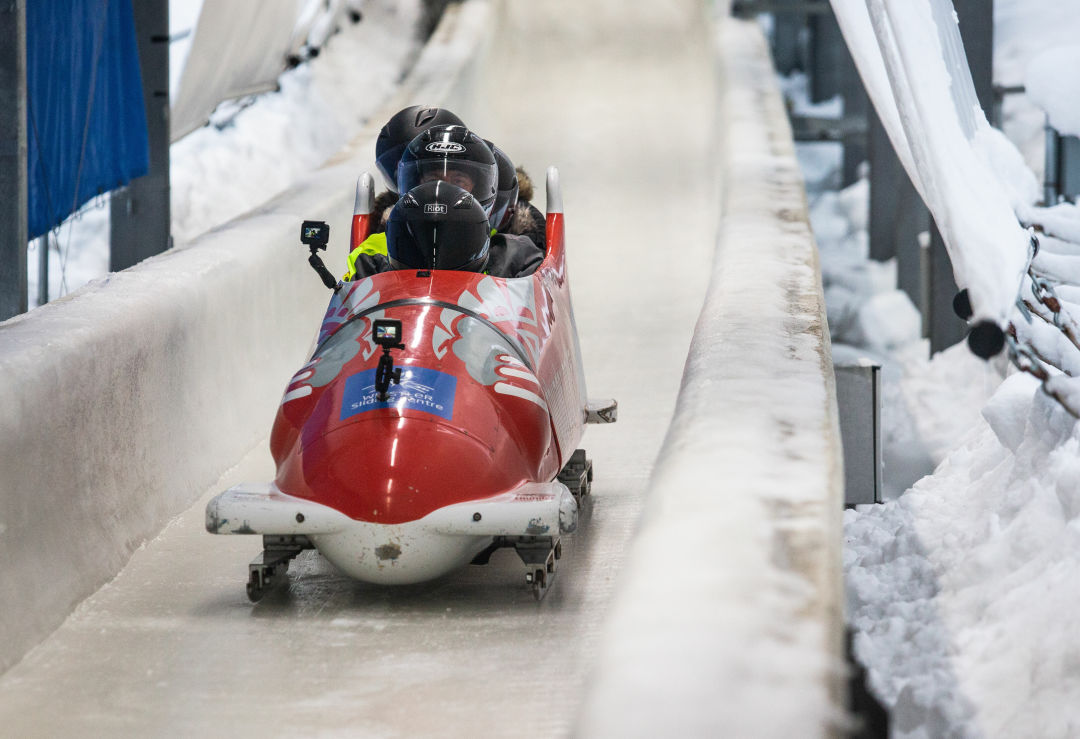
728	619
126	401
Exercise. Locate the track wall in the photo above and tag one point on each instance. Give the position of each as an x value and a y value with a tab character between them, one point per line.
728	620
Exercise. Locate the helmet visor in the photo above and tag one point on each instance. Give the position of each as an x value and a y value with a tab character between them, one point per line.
438	245
505	202
478	179
387	164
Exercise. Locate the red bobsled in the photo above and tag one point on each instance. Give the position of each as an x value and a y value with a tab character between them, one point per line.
475	447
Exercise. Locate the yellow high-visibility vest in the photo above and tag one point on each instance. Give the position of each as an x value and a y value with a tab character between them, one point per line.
374	244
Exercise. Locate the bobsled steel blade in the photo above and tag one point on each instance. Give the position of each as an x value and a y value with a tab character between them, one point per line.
534	509
260	508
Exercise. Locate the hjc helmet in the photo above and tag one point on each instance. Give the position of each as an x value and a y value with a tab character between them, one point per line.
506	196
437	225
403	127
453	154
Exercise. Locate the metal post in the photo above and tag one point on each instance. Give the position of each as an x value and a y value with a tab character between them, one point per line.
832	72
827	52
1069	167
897	213
884	179
43	269
13	176
856	105
858	400
140	213
922	297
787	29
1051	180
946	328
977	31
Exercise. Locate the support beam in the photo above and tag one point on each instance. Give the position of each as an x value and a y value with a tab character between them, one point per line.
813	129
42	243
828	52
945	327
832	72
977	31
1062	178
897	213
140	213
787	55
13	182
857	106
752	8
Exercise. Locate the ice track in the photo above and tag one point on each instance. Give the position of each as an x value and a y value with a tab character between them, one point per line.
172	647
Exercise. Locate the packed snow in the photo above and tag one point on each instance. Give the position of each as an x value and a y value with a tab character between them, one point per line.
962	590
962	585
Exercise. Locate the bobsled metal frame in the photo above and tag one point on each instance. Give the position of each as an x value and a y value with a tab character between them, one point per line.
268	570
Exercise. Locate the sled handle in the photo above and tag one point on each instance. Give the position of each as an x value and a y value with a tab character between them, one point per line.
554	191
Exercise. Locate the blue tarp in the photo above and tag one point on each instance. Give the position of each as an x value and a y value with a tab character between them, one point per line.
86	127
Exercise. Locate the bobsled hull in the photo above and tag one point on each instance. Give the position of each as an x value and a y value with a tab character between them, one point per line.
474	448
443	540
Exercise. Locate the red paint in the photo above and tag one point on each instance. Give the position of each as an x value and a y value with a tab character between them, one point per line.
509	425
361	229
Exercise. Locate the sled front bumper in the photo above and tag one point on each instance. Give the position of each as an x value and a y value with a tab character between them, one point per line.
533	509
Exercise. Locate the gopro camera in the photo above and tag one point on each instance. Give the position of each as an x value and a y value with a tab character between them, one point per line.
315	234
386	332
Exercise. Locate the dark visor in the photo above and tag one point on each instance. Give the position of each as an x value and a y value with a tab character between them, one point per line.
439	245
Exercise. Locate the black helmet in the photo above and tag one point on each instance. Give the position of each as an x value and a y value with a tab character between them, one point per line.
402	128
507	195
453	154
437	225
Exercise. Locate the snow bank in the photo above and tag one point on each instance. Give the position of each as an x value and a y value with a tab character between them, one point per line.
964	589
728	619
127	400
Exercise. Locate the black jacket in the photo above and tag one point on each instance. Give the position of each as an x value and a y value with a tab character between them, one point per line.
508	256
513	256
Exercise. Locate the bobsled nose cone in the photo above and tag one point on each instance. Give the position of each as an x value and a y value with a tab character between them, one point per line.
401	469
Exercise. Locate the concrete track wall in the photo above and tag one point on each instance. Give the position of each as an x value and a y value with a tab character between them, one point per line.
728	620
111	396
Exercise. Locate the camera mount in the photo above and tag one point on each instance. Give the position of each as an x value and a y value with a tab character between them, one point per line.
316	235
386	332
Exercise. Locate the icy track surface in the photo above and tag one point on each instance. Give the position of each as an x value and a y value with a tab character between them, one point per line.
172	647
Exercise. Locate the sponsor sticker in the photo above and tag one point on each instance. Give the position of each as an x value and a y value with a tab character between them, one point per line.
444	147
435	207
420	389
